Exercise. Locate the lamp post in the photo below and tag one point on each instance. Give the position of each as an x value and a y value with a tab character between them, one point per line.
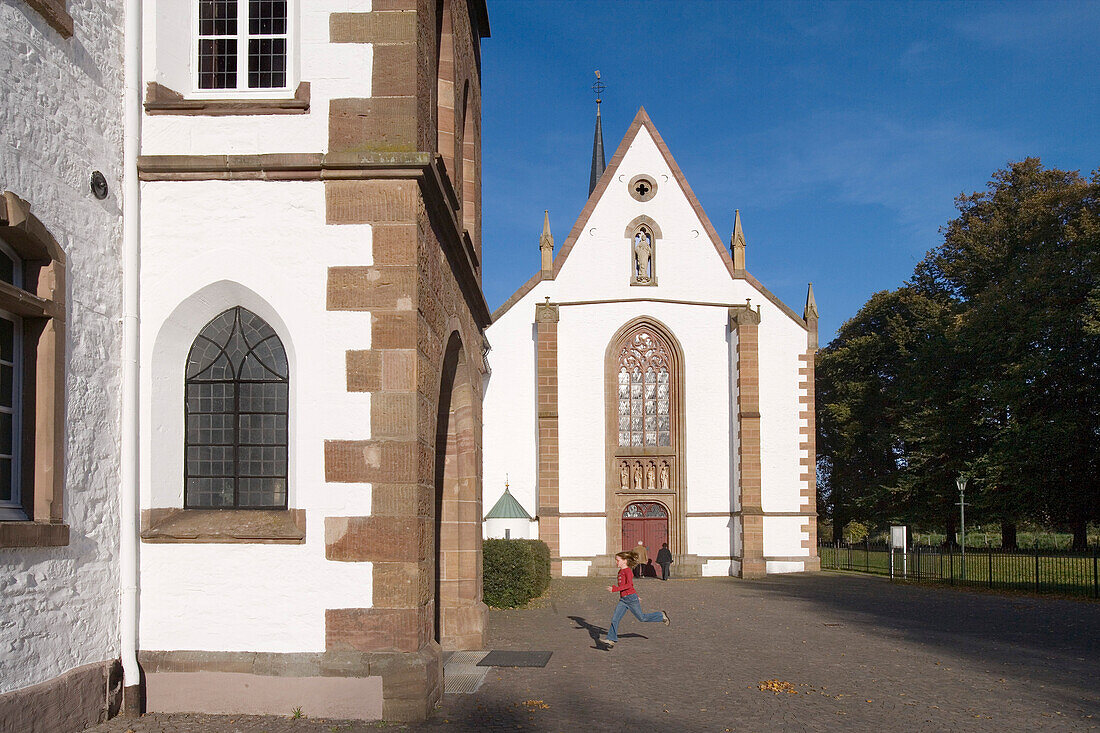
961	483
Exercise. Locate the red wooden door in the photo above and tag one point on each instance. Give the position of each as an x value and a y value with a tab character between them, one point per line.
648	522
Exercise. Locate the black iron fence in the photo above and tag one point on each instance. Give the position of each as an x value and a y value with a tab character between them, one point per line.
1035	571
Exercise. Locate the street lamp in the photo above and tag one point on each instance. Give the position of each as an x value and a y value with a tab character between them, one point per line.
961	483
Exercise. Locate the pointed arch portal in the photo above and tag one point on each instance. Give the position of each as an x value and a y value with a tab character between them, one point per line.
644	367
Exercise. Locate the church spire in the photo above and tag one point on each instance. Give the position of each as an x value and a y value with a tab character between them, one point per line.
737	243
546	247
598	164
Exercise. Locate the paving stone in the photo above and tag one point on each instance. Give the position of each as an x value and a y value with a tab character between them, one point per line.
859	653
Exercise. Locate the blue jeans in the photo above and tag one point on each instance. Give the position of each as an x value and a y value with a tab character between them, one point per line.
633	604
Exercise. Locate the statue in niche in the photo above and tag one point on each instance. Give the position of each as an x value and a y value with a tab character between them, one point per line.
650	477
638	476
643	256
664	476
624	477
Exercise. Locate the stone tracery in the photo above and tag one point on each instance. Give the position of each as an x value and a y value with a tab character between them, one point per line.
643	388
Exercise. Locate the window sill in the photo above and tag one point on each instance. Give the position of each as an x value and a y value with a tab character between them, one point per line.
160	100
224	526
33	534
56	15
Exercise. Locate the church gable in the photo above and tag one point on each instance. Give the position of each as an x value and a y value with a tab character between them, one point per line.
642	233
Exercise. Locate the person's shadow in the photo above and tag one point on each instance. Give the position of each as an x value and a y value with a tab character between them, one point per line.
596	632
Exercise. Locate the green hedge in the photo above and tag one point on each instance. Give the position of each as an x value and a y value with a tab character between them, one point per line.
515	571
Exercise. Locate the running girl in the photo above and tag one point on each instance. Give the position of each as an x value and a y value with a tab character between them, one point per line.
628	598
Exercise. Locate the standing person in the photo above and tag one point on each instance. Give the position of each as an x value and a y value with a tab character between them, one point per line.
628	599
664	559
641	556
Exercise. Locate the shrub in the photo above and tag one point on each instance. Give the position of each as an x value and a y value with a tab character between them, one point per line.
515	571
855	532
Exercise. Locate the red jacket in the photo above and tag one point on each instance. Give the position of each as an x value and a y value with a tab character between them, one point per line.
626	583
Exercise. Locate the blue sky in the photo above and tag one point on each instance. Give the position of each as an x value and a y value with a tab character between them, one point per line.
842	131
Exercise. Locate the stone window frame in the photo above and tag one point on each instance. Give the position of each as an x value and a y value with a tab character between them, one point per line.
56	14
40	303
164	520
632	229
616	498
642	177
163	96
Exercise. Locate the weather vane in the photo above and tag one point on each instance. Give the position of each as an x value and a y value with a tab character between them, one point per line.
598	87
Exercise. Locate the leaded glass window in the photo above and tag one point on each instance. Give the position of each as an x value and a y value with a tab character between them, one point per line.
643	388
237	406
645	510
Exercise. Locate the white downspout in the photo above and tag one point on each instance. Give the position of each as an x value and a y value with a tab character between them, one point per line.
131	261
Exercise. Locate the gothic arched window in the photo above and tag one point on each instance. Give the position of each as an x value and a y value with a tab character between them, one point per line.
237	405
643	376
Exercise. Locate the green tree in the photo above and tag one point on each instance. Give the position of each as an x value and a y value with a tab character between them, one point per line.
872	418
1023	261
986	362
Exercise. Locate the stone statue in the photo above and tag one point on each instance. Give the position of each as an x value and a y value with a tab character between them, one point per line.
664	476
624	477
643	256
638	476
650	477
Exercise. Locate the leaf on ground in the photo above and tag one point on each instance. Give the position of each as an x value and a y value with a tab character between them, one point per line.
777	686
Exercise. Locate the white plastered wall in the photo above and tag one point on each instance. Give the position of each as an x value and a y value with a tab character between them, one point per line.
688	268
59	605
333	70
208	246
516	528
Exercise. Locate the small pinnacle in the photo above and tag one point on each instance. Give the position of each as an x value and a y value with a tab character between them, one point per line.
810	311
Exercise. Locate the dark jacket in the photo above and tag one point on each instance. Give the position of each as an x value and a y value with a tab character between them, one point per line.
664	555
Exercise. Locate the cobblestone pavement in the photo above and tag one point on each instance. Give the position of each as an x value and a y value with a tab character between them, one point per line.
858	653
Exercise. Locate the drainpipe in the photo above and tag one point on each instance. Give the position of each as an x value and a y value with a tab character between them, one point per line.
131	261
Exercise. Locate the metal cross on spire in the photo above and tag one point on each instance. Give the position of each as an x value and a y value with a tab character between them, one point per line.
598	87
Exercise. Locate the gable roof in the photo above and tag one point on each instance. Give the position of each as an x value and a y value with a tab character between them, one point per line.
641	119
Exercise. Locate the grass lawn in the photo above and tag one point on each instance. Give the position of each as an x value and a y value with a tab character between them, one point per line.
1066	574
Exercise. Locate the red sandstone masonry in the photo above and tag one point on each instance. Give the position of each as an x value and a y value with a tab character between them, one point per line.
546	317
746	322
412	292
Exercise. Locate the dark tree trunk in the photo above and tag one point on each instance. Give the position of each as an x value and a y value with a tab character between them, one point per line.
1008	535
952	527
1080	535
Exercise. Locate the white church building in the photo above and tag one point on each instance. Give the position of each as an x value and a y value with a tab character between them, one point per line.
645	386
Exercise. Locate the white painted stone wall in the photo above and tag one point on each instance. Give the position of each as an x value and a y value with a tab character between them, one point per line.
334	70
688	268
513	528
208	246
60	119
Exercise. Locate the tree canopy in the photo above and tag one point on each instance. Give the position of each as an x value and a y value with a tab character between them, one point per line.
985	363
